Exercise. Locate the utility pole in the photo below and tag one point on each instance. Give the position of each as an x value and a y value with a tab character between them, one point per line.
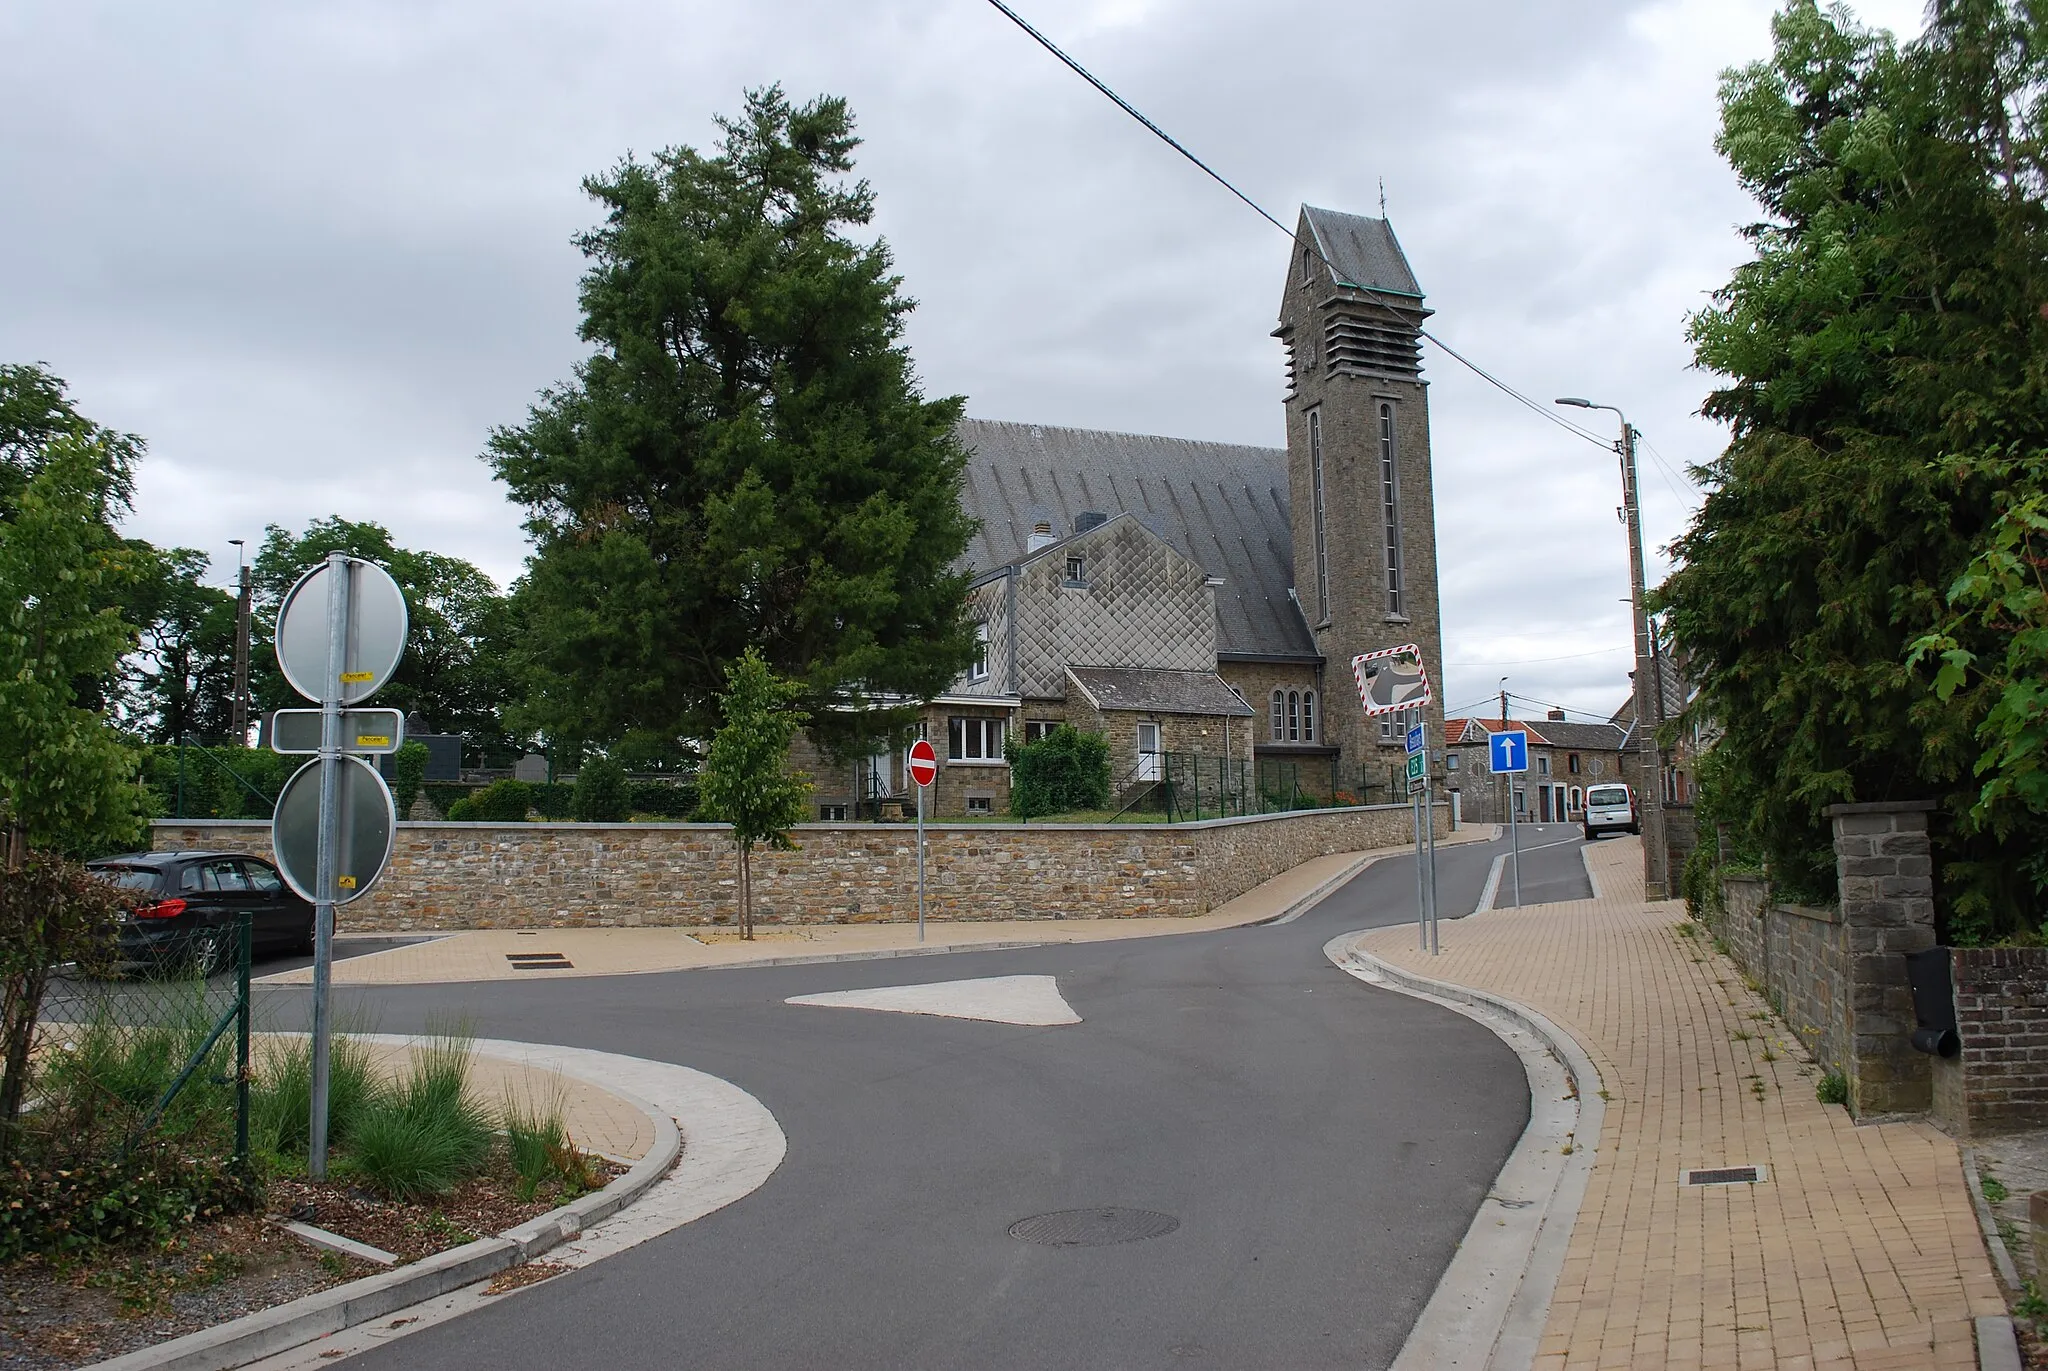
1648	689
238	727
1649	716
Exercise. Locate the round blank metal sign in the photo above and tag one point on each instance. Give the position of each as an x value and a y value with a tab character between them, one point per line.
368	827
374	638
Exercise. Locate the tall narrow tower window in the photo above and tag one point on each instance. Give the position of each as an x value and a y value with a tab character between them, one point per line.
1315	464
1390	505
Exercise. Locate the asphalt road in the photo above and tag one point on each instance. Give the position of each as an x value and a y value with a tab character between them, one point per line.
1324	1146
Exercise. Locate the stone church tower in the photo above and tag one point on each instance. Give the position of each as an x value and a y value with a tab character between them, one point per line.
1358	458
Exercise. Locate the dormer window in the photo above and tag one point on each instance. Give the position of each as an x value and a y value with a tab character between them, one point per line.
1077	569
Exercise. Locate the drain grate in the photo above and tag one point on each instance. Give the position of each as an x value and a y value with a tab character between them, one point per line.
1104	1227
1725	1175
538	961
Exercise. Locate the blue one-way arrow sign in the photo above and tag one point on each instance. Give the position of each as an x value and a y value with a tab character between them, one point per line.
1509	752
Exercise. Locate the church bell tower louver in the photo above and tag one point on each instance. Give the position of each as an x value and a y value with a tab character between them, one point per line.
1359	475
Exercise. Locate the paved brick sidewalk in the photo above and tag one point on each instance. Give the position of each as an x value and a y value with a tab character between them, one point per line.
1861	1250
487	954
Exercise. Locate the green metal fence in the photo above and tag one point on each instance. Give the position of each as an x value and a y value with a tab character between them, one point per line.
154	1055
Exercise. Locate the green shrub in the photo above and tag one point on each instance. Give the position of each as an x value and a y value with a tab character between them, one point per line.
444	796
555	803
602	795
500	802
408	774
1832	1088
145	1197
1064	771
663	799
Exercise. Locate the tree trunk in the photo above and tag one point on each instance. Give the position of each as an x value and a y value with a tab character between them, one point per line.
746	895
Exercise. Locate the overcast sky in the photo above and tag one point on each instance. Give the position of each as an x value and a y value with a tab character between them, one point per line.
312	253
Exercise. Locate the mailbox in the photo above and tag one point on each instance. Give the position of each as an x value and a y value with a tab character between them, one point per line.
1934	1002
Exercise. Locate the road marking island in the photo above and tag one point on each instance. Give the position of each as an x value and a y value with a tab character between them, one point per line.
1030	1000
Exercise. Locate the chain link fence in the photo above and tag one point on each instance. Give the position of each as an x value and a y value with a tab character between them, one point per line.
136	1111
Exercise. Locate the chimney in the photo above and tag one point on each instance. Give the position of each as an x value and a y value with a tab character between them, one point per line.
1555	716
1089	519
1041	537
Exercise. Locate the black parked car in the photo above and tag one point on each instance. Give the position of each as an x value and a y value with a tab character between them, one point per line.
190	905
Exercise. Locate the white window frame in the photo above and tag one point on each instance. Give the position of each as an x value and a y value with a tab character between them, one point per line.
978	669
974	740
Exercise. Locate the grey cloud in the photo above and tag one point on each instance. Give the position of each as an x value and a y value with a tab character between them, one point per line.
313	253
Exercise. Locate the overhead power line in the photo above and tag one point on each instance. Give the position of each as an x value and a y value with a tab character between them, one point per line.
1128	108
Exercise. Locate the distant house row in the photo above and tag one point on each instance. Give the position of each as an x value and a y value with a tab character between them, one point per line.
1565	758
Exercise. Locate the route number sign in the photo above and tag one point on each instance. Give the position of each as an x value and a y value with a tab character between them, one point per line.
924	763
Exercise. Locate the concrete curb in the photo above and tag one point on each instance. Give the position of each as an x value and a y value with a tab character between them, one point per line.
1489	1309
1998	1347
324	1312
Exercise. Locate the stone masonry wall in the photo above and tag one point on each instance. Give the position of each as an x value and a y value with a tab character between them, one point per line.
1999	1081
1797	955
451	876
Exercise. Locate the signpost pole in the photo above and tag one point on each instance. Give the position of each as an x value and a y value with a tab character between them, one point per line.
920	862
1421	879
338	578
1429	816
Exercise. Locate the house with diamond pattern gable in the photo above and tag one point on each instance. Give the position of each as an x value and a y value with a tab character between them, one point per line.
1200	603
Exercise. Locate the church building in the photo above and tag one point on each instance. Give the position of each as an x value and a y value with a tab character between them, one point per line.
1200	603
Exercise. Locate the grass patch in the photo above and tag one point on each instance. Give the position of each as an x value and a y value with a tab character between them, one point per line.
1832	1088
1993	1188
537	1140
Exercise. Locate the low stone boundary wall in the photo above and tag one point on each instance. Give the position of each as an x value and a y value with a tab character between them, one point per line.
1999	1081
1839	975
451	876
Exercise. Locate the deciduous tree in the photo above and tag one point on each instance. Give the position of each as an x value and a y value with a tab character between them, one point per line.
746	781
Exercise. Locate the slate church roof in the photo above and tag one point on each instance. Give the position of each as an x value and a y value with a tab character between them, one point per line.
1362	252
1220	505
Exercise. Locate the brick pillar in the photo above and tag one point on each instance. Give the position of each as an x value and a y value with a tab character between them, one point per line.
1885	872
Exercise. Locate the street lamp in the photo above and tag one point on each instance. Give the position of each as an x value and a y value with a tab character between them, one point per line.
1649	715
238	726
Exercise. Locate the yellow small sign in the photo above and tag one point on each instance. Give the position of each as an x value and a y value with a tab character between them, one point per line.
352	677
345	882
373	740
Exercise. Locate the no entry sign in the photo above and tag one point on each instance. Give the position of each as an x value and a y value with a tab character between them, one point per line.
924	762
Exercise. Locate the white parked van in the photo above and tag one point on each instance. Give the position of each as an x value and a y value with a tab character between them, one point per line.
1610	809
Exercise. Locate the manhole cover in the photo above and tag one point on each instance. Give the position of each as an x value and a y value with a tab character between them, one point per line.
1093	1227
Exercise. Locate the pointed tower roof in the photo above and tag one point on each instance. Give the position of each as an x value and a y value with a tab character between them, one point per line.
1363	252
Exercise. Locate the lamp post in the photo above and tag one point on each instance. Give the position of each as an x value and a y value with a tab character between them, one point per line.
1649	715
238	726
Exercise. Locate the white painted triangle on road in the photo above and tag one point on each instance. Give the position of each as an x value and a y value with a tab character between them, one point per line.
1034	1000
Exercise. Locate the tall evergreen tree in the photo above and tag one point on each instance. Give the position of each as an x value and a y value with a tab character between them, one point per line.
745	459
1889	319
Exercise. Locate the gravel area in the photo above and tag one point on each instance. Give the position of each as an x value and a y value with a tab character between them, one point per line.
56	1315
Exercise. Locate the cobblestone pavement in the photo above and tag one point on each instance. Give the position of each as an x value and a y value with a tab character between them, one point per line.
1860	1249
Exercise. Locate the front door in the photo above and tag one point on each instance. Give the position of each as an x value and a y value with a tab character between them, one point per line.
1148	752
1543	802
